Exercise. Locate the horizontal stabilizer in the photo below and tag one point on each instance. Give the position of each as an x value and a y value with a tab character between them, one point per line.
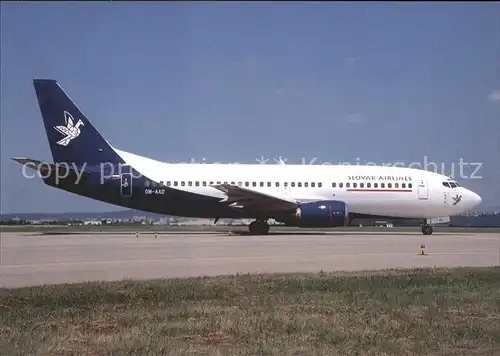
46	169
24	160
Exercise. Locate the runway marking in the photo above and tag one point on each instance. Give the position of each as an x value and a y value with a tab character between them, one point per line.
240	258
244	242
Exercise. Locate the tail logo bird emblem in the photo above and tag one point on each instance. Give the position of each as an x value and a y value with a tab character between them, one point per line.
70	131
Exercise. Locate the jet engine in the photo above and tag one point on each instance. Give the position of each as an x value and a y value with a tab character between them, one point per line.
329	213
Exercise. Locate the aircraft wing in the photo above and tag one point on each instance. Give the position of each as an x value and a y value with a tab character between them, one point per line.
249	199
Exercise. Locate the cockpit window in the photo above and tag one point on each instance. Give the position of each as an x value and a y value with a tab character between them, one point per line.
451	184
446	184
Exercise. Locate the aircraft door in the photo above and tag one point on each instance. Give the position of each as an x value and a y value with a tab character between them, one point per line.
423	189
126	182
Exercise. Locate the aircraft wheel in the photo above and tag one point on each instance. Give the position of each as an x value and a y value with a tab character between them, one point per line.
264	228
253	227
427	230
259	228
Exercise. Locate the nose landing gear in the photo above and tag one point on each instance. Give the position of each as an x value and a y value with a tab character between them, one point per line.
427	229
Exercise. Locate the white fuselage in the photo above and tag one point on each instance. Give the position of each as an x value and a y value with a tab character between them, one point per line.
372	190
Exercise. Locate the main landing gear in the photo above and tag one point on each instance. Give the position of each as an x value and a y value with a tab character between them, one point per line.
427	229
259	227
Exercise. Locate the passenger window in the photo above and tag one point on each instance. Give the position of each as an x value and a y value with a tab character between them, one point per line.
292	184
268	184
285	184
240	184
190	184
312	184
333	185
197	183
261	184
375	185
277	184
368	185
354	185
389	185
403	185
319	185
247	184
299	184
361	185
347	185
146	183
396	185
168	183
183	183
161	183
175	183
382	185
409	185
204	184
306	184
218	182
341	185
254	184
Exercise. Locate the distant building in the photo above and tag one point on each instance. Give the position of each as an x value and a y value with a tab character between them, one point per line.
92	222
381	223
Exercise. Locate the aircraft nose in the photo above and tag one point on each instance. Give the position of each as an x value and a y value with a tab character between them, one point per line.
474	198
477	199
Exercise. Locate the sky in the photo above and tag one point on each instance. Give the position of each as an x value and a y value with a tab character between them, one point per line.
241	82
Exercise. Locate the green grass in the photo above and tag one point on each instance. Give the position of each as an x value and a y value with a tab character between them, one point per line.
417	312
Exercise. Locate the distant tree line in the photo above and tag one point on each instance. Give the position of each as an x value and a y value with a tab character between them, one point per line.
11	222
28	222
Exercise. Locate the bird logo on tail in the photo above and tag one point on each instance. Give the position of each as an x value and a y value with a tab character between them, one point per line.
70	131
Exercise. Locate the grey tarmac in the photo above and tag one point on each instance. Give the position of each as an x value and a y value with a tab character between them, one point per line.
29	259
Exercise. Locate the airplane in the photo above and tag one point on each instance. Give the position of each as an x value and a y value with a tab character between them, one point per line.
304	196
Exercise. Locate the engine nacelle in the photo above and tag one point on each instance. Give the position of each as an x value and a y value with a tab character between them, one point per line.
329	213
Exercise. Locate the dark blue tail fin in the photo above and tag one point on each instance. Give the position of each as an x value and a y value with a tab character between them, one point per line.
72	138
